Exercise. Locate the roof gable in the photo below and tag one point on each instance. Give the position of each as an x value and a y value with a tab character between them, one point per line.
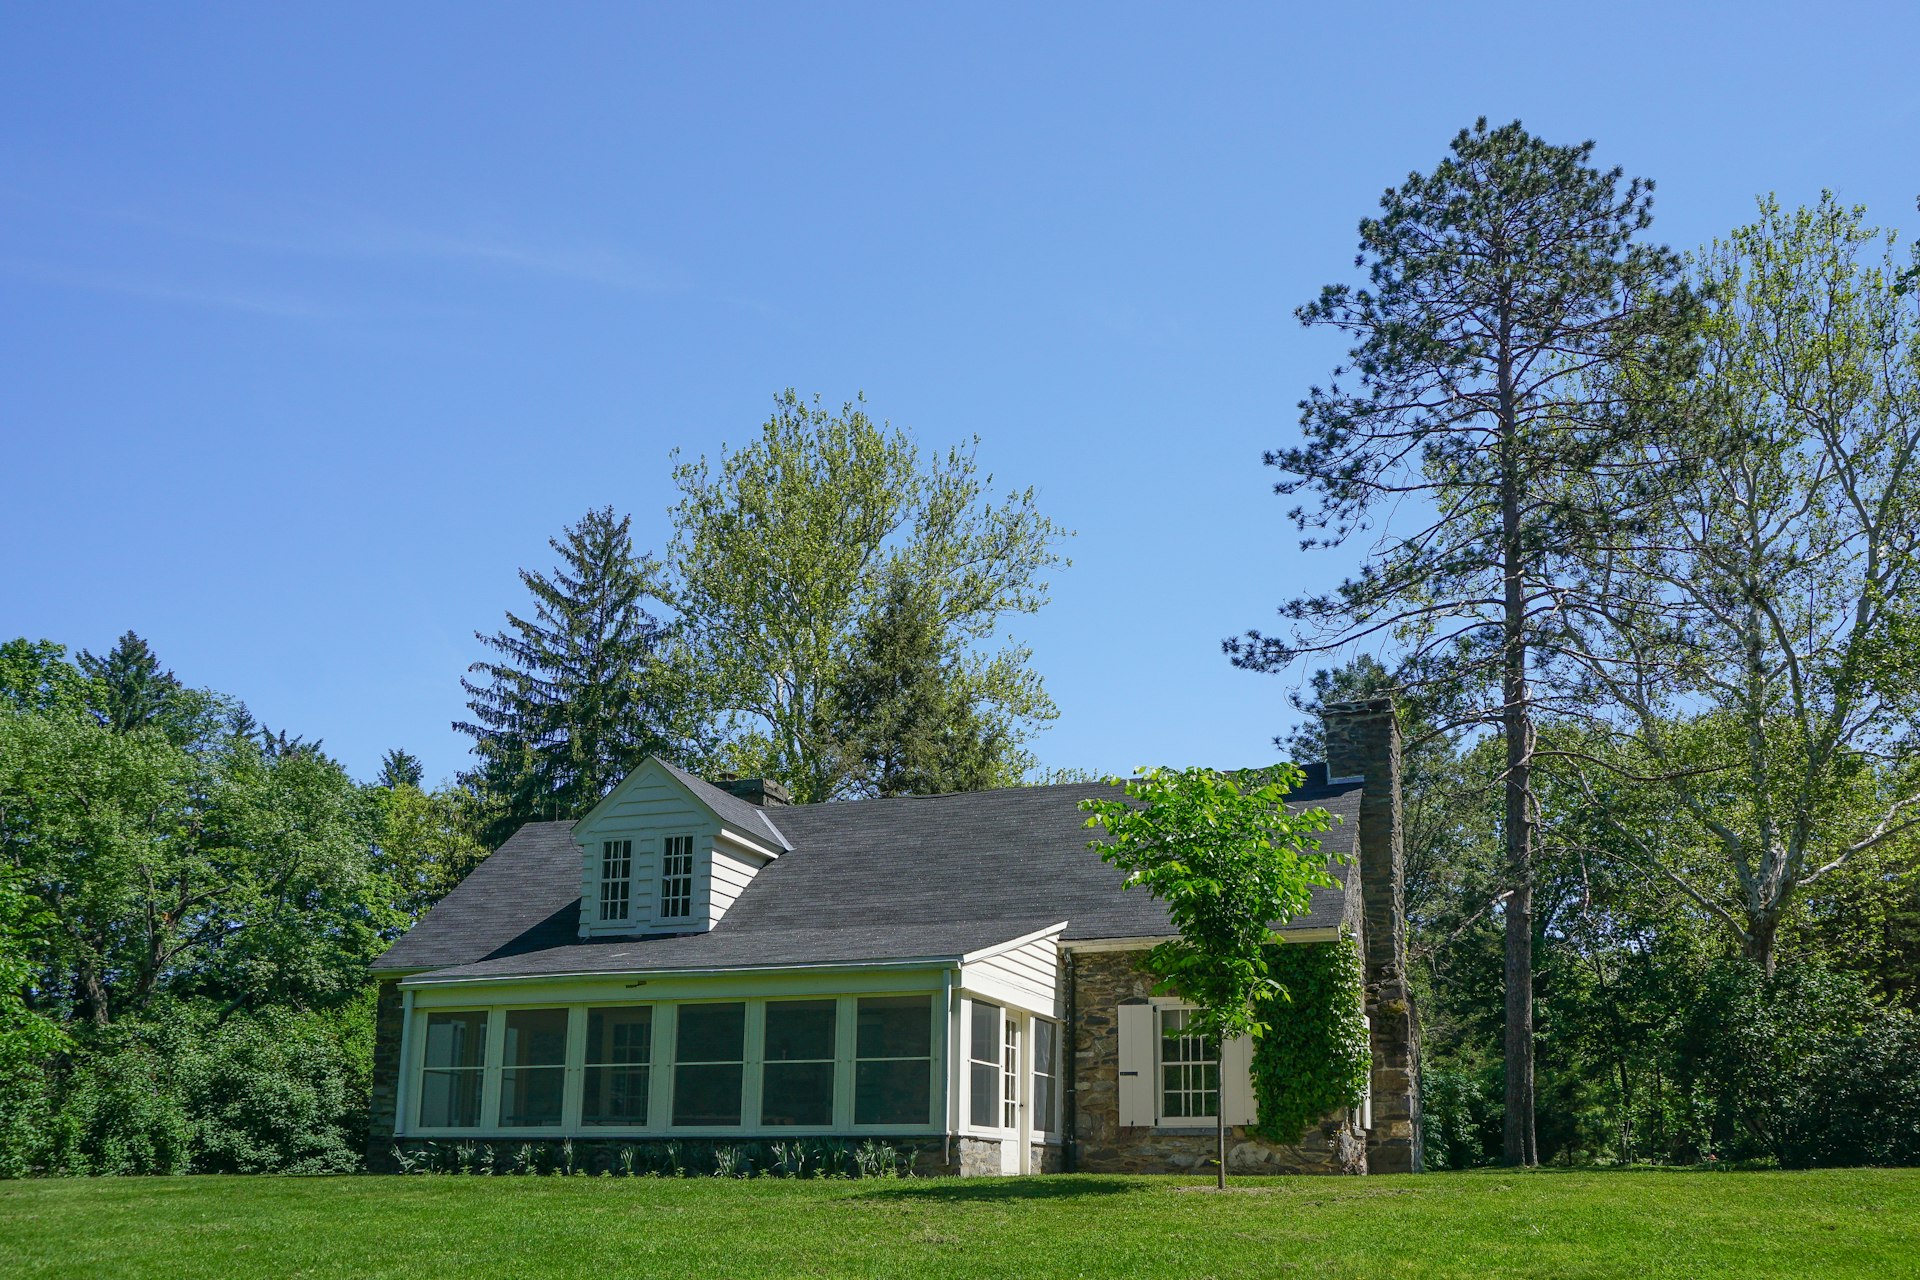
744	821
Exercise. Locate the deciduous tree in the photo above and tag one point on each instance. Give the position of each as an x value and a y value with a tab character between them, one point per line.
1232	863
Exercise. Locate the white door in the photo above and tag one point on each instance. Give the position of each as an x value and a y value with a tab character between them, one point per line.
1013	1097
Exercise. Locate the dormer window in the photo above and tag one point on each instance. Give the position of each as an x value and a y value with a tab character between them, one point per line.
616	878
676	878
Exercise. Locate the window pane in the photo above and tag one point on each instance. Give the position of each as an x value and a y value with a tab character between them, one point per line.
622	1036
706	1095
895	1027
986	1032
536	1038
1046	1040
899	1092
797	1093
712	1033
456	1039
800	1030
531	1096
615	1095
450	1099
984	1107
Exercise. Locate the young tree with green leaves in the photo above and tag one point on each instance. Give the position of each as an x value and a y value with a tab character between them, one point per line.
1232	863
1497	284
1754	652
784	550
583	688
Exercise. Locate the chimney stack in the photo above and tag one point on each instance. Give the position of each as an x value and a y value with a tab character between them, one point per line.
1363	741
765	792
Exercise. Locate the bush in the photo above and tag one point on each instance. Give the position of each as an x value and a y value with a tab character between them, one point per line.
1801	1067
272	1094
189	1091
1461	1119
120	1115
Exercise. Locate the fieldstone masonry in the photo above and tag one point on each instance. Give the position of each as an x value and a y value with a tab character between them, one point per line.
1102	981
386	1076
1363	740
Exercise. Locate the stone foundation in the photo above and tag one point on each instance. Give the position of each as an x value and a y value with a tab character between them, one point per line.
917	1156
1101	980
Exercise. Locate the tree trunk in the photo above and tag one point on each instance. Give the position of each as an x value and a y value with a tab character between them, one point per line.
1516	721
1220	1129
1763	930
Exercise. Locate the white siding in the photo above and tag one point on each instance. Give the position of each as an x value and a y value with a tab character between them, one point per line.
1026	977
730	874
648	806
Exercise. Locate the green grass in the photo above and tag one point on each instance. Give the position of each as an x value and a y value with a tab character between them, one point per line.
1829	1223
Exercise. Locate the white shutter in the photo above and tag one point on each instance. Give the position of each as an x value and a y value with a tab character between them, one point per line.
1236	1081
1136	1065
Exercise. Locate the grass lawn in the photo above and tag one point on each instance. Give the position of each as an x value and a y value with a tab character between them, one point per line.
1828	1223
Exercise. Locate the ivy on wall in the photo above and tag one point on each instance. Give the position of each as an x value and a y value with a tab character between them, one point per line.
1314	1057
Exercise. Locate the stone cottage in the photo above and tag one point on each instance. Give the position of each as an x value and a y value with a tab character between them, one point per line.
956	975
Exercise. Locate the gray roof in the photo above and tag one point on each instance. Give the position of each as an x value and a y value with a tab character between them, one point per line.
743	816
922	877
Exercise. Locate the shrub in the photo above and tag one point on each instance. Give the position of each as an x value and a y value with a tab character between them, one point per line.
1802	1067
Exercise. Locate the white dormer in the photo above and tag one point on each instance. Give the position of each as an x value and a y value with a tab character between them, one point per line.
664	852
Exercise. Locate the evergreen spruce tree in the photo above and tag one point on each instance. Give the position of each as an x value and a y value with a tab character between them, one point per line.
582	689
903	717
400	769
131	690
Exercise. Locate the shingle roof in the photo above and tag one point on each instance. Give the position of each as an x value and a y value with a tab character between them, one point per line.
743	816
864	880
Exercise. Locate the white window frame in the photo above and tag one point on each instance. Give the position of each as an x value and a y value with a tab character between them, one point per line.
622	882
666	878
1046	1125
416	1104
1160	1064
579	1061
663	1059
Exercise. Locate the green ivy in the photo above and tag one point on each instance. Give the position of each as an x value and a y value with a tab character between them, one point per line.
1314	1057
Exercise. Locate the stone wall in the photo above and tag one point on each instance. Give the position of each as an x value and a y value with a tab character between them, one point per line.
1101	980
386	1077
694	1157
1363	740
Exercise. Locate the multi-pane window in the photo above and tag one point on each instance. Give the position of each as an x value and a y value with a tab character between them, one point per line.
454	1069
676	877
983	1066
618	1066
1010	1074
893	1060
1189	1070
796	1078
616	878
709	1064
1046	1073
533	1067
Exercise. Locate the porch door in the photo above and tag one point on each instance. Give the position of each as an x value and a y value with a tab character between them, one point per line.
1015	1149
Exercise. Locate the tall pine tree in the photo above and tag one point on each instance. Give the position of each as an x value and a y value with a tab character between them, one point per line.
1497	285
582	688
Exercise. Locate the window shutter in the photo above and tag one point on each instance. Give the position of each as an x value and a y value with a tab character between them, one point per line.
1136	1066
1236	1081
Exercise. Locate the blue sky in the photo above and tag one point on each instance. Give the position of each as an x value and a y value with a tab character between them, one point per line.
316	323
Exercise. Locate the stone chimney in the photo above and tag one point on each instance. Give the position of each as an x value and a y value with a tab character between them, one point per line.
1363	741
764	792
